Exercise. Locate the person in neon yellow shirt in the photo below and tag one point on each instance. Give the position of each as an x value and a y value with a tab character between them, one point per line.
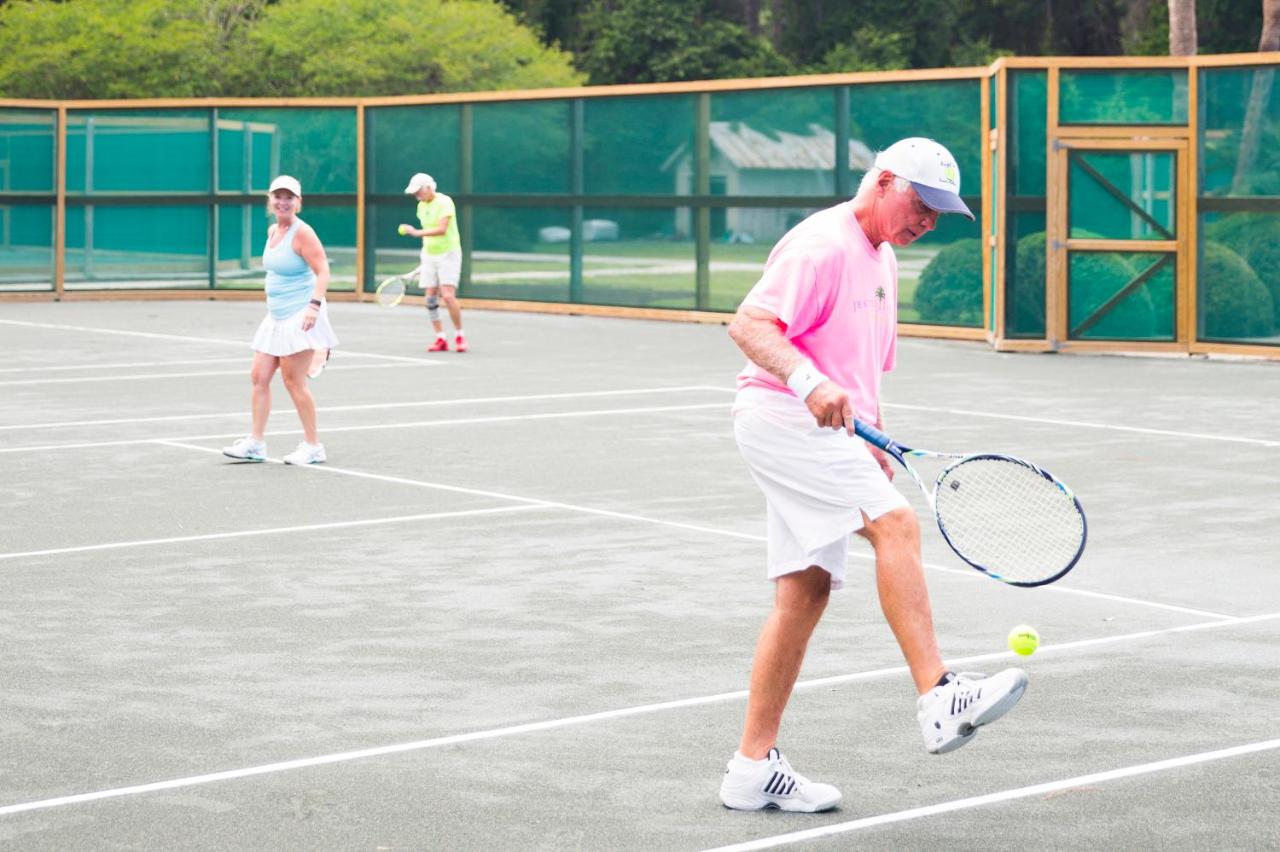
441	258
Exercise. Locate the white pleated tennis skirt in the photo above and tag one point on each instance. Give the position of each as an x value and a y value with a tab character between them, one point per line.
286	337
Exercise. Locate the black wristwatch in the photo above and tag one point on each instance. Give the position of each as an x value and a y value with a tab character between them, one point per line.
317	302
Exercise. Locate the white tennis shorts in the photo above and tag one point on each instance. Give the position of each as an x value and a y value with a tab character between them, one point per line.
817	482
440	269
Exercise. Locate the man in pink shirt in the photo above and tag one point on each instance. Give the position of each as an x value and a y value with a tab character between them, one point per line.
819	330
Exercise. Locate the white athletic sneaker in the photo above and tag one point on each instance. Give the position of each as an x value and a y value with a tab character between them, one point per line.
951	714
306	454
247	449
751	785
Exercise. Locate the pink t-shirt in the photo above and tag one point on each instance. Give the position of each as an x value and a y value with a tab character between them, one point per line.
838	296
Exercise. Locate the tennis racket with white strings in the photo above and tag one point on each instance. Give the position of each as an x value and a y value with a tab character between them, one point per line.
392	290
1008	518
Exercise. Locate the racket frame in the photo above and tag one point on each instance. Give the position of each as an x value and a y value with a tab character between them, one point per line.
900	452
403	278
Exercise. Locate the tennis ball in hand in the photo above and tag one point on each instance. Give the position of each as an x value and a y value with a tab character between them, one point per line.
402	230
1024	640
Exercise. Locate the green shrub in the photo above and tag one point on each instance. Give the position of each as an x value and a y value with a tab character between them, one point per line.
1234	303
1255	237
950	288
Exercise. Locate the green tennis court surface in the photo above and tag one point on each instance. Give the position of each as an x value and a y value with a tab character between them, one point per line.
516	609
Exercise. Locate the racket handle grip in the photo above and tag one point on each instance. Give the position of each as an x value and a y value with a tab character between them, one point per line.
871	434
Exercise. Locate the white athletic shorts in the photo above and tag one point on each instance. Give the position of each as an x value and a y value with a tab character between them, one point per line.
817	482
438	269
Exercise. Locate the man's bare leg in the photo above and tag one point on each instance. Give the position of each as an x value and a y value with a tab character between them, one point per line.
904	597
799	600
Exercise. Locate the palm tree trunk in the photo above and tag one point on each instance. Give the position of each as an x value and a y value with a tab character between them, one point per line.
1259	97
1182	27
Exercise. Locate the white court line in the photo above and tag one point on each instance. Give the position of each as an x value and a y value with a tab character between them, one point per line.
376	406
217	341
371	428
417	483
1074	424
1004	796
336	525
119	366
534	727
241	372
181	442
532	501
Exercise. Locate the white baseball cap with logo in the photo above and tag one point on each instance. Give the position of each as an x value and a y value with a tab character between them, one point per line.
930	168
419	182
286	182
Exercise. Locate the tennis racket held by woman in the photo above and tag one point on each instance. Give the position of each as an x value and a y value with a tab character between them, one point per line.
1006	517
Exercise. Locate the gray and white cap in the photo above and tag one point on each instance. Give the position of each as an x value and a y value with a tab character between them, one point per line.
930	168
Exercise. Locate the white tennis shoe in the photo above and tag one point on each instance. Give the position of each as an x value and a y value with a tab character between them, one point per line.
752	785
951	714
306	454
247	449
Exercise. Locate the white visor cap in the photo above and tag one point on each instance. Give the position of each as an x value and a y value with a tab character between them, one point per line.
419	182
286	182
930	168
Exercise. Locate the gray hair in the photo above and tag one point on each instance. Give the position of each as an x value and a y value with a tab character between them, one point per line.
900	184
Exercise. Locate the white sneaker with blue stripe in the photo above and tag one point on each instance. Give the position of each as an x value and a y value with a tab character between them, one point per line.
951	713
752	785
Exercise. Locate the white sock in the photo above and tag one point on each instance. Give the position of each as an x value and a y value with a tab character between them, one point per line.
440	335
459	332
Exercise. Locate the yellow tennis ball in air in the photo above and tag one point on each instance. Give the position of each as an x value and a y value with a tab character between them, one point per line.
1024	640
402	230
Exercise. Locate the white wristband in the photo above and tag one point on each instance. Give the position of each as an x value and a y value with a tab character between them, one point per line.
804	379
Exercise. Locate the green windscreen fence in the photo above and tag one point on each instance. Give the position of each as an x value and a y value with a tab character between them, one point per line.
1238	273
672	199
656	200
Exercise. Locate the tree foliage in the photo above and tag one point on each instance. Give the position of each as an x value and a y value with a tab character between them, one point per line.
192	48
645	41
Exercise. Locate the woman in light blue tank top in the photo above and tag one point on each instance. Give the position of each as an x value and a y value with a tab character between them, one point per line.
295	334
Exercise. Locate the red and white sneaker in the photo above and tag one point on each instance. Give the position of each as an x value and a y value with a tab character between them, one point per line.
459	344
441	345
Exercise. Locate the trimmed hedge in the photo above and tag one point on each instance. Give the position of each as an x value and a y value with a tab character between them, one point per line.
950	287
1255	237
1234	303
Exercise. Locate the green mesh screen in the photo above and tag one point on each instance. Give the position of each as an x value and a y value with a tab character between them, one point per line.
1123	97
1026	140
1024	276
1239	132
519	253
1120	296
401	141
1238	278
242	235
1027	135
137	246
948	111
639	145
638	257
27	146
1128	195
779	142
741	239
138	151
315	145
521	147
